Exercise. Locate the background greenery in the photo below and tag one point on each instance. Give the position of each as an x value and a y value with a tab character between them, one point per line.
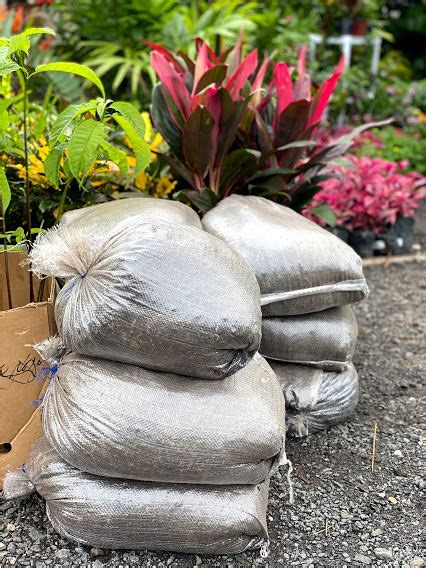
110	36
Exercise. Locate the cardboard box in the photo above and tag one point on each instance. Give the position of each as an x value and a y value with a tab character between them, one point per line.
20	384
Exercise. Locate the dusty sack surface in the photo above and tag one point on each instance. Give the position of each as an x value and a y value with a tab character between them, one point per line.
123	421
374	516
101	217
316	399
167	297
324	339
301	267
133	514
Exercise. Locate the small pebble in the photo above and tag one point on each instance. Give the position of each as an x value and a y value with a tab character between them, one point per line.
383	553
362	558
62	553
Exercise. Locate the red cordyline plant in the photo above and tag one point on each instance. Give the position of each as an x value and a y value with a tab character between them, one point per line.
370	194
229	132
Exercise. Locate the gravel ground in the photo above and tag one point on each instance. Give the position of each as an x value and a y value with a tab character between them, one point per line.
344	514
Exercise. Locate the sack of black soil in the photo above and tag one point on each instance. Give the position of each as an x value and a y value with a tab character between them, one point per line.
123	421
167	297
103	216
301	267
316	399
324	339
112	513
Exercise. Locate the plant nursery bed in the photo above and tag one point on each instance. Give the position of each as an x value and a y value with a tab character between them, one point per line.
344	513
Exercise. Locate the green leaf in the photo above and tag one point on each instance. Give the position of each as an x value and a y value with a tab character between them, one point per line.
123	70
83	147
19	42
19	234
117	156
8	66
131	113
36	31
52	164
197	141
140	147
326	213
4	191
4	50
40	126
4	120
66	167
66	118
74	69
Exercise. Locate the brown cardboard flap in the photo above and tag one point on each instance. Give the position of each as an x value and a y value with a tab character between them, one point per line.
20	328
19	281
21	445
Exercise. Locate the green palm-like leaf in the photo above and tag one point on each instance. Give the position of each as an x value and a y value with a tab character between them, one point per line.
83	147
140	147
74	69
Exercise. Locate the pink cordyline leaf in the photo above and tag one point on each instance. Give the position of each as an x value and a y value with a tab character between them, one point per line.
166	53
202	64
236	81
201	44
214	107
172	82
322	96
301	63
258	81
284	89
302	88
235	54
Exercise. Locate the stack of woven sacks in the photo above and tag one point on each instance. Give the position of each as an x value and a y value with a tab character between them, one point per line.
162	422
308	278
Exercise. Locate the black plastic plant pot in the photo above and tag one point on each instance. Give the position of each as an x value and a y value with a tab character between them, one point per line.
362	242
398	239
404	231
343	234
344	25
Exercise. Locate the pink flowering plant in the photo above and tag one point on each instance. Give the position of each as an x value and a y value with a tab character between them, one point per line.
369	193
229	130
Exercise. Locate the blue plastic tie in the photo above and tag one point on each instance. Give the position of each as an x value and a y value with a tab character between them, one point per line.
45	373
